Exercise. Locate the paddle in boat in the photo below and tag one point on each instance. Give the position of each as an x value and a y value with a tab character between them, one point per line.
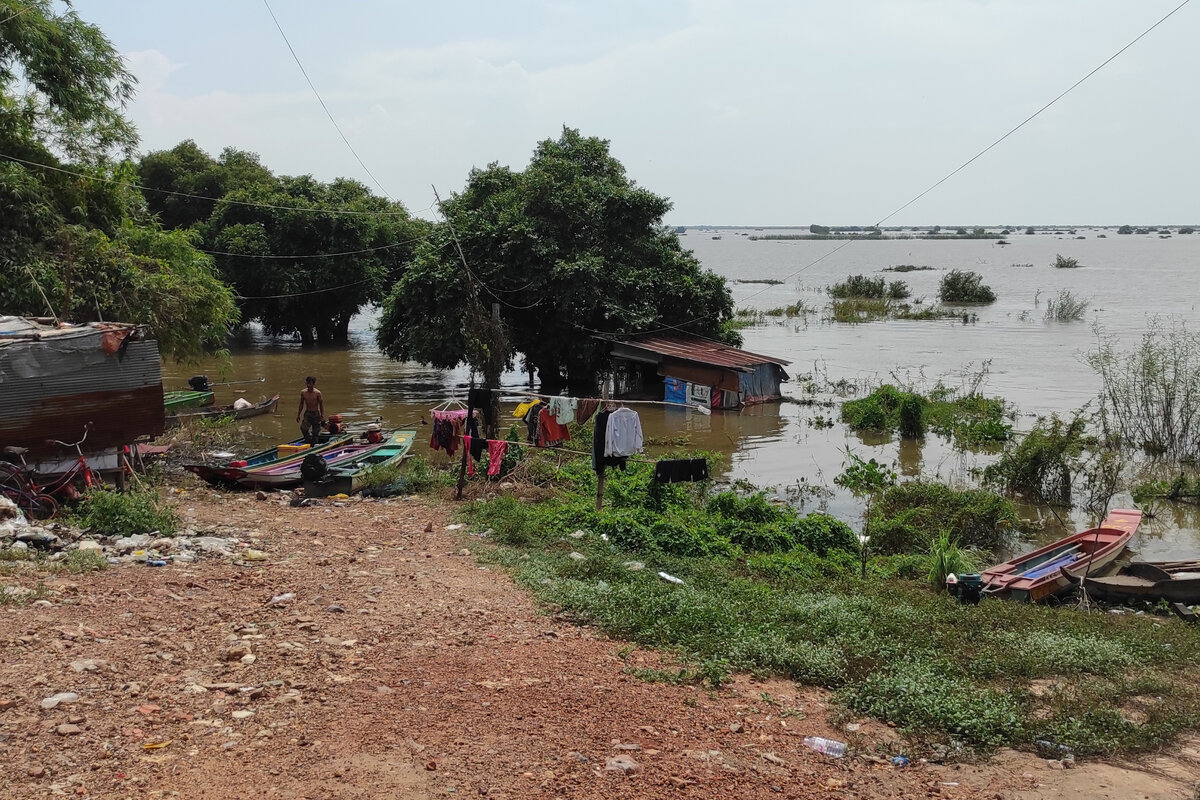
346	477
1051	569
287	472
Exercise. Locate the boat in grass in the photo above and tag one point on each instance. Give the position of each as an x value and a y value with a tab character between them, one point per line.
223	412
231	472
347	476
176	401
1049	570
288	472
1148	581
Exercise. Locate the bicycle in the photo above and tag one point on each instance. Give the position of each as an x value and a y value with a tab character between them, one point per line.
40	500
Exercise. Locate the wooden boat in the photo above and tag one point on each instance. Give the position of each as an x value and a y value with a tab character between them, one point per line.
1149	581
232	471
286	472
1049	570
346	477
176	400
211	412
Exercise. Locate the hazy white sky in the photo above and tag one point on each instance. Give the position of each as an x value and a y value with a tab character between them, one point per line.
764	113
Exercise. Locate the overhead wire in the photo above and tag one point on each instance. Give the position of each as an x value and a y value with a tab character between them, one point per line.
321	100
935	185
173	193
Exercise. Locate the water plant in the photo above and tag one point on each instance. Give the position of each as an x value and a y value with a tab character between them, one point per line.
860	286
1063	262
964	286
1066	307
1043	462
1150	393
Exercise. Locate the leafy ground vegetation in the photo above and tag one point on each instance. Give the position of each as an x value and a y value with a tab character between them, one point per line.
970	418
769	591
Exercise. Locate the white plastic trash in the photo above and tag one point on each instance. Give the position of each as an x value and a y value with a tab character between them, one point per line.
670	578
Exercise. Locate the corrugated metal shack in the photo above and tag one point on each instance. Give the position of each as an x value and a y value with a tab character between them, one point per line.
701	371
55	379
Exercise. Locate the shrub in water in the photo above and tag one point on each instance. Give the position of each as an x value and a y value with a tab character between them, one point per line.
909	516
964	286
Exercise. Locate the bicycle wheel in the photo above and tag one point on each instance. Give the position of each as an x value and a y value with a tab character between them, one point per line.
41	507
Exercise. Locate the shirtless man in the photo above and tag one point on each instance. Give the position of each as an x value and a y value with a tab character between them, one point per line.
312	407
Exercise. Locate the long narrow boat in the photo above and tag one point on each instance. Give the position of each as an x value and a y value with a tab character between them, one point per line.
258	409
177	400
286	472
346	477
1049	570
1149	581
232	471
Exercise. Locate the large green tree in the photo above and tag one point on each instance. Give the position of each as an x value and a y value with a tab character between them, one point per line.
571	249
304	256
75	239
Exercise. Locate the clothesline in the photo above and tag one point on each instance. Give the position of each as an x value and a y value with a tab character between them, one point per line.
526	395
553	449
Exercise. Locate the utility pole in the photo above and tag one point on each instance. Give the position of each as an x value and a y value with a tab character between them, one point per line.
488	334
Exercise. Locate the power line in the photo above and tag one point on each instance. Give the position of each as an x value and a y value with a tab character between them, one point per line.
303	294
314	255
947	177
244	203
336	127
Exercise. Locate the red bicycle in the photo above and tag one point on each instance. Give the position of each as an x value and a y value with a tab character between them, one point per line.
40	500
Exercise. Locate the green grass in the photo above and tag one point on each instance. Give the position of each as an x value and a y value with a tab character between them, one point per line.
124	513
770	592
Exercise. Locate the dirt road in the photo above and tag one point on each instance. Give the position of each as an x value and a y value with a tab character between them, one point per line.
391	664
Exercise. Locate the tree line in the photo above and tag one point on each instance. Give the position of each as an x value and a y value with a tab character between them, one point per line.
542	264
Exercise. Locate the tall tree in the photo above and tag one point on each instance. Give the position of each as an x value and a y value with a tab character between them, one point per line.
304	256
571	249
75	239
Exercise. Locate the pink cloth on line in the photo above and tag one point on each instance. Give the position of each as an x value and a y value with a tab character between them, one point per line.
450	415
496	451
470	461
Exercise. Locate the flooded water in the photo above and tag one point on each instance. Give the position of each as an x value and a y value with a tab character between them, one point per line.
1035	364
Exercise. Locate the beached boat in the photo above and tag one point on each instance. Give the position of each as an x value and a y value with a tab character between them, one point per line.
346	477
230	472
1051	569
284	473
177	400
1148	581
230	412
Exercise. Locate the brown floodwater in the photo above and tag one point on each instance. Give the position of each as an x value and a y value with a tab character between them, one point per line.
1035	364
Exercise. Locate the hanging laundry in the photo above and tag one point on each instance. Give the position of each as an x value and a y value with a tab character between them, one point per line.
531	421
496	451
550	432
447	429
481	399
523	408
563	409
623	436
599	444
584	409
477	444
469	442
681	470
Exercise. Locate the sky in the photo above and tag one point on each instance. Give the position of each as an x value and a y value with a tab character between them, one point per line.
755	112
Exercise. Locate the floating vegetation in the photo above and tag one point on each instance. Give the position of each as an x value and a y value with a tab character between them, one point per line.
1023	266
971	419
908	268
767	281
861	309
796	309
964	286
1062	262
860	286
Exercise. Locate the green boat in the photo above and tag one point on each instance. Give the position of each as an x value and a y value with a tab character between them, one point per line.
232	472
346	477
174	401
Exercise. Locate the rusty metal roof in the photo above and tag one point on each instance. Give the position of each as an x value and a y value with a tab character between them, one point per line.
55	380
704	351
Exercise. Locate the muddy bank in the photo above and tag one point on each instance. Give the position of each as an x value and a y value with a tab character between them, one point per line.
370	656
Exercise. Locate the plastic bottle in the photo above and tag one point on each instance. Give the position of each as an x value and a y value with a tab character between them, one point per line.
828	747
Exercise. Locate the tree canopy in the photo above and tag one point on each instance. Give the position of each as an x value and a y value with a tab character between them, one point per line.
75	239
571	249
304	256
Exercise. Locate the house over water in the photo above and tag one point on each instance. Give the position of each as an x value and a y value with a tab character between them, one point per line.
57	379
689	371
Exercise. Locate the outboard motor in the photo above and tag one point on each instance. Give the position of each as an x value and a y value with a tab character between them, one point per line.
199	383
313	467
